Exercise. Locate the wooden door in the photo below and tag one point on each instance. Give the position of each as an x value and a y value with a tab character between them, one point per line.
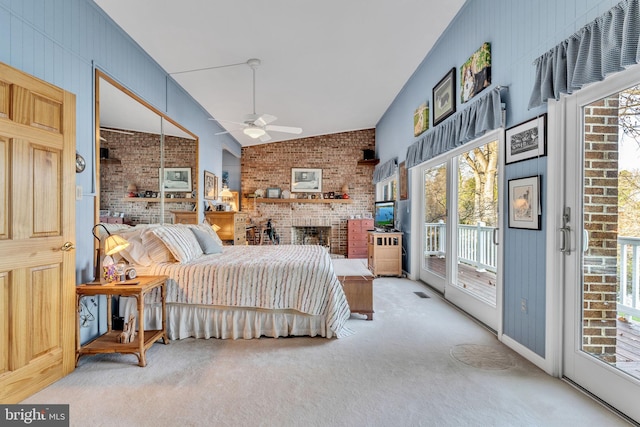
37	218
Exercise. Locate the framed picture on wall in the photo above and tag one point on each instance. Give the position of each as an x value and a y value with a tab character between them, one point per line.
176	179
210	186
524	203
305	180
404	181
444	97
475	74
421	119
526	140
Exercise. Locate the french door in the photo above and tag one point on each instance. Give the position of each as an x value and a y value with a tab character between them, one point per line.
460	254
601	240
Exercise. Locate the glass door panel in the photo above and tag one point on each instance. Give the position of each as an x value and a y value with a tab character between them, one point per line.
611	230
435	221
477	191
601	270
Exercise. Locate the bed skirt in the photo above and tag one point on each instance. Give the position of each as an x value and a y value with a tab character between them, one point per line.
184	321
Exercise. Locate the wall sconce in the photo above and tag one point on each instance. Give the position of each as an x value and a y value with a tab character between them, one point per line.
112	245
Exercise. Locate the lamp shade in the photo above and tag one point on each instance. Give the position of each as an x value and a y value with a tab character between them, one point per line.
226	193
132	187
114	244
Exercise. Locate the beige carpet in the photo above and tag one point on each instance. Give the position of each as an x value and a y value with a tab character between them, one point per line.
418	363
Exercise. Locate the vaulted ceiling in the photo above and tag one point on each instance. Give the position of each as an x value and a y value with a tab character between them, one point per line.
326	66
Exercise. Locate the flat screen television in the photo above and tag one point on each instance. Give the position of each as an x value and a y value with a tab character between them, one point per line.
384	215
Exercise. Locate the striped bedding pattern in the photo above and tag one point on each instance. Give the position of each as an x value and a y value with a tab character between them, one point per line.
279	277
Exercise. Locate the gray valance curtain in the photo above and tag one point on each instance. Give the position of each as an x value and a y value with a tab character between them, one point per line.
482	115
606	45
385	170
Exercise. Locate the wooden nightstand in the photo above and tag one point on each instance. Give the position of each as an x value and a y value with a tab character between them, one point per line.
108	342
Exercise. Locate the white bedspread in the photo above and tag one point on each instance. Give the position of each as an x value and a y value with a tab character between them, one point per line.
280	277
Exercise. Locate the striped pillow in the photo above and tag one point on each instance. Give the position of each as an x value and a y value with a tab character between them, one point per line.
156	249
181	242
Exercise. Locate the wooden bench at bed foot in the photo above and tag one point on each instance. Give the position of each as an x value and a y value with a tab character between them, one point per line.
357	283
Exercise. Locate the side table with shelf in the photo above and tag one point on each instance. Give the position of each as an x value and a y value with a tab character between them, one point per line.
385	253
108	342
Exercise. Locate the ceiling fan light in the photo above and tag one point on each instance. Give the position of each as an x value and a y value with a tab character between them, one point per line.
254	132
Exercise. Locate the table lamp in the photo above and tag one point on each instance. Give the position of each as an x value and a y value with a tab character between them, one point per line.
112	245
227	196
132	189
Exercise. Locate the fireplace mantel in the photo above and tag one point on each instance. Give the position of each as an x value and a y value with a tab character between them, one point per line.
265	200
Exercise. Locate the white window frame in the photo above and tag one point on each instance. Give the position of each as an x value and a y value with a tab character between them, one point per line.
387	184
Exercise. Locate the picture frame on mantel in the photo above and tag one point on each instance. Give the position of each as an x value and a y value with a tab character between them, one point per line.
176	179
444	97
305	180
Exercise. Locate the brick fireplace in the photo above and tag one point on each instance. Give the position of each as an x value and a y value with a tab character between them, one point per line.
340	158
311	232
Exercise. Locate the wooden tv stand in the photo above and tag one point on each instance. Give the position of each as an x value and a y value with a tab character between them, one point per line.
385	253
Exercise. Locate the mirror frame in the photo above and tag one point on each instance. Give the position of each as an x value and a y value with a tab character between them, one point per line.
102	75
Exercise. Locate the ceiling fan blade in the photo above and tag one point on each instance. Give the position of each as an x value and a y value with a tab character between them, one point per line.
285	129
222	133
228	121
265	138
264	120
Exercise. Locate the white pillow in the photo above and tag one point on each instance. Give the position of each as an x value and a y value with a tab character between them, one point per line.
180	240
135	253
156	249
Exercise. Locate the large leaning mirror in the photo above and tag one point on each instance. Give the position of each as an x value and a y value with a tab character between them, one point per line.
137	149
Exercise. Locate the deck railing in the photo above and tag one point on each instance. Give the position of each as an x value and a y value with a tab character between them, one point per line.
475	244
628	295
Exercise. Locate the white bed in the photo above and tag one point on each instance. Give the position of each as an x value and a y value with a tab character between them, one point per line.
237	291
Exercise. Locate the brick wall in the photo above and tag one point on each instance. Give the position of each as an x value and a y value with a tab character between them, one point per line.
601	221
139	163
269	165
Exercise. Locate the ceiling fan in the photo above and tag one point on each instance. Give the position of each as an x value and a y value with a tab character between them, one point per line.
256	126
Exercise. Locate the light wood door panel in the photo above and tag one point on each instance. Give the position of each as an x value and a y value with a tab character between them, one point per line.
37	278
4	187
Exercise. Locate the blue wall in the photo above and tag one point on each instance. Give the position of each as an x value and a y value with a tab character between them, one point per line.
519	31
61	41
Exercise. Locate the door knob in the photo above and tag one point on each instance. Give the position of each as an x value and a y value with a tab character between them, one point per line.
68	246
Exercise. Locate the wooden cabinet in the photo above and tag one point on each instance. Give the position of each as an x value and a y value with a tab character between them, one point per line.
357	283
357	237
184	217
108	342
385	253
233	226
114	220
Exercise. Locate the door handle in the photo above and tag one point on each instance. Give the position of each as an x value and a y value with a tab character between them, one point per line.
495	236
565	246
68	246
585	240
